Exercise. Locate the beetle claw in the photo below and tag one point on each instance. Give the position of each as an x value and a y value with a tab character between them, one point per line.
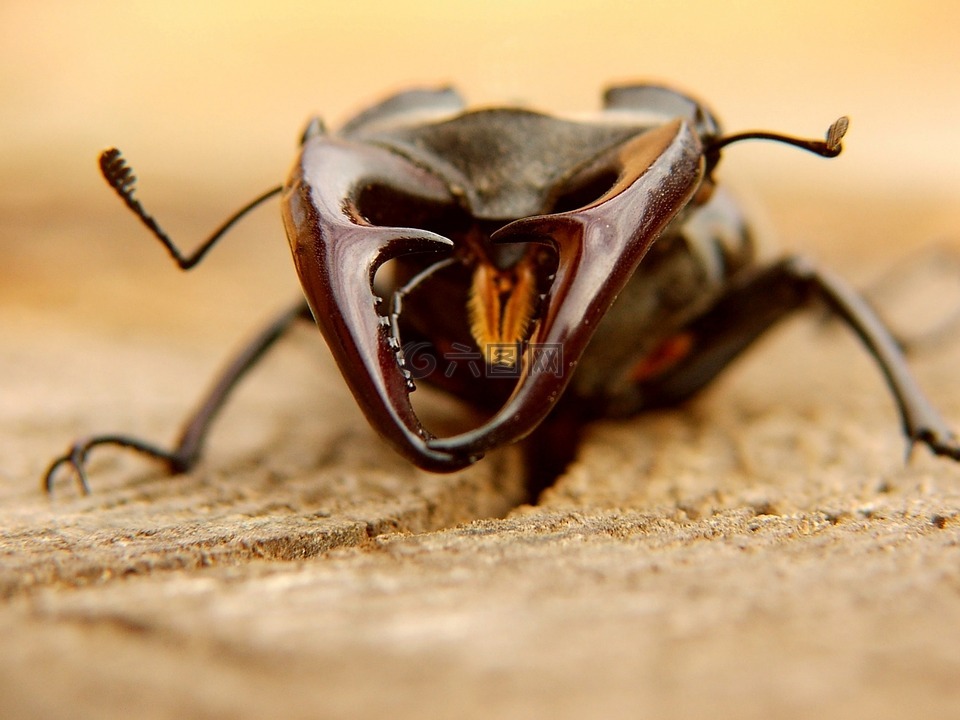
76	458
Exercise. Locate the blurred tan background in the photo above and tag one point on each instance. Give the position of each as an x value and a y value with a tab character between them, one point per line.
763	552
208	100
214	94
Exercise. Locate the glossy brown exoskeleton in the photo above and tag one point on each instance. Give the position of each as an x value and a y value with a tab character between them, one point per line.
541	267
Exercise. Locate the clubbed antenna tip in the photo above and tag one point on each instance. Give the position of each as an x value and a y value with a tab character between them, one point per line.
120	177
117	173
835	134
830	147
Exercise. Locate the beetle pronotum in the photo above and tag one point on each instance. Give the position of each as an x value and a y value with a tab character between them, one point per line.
589	268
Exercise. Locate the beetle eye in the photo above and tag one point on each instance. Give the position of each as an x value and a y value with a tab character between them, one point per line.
583	190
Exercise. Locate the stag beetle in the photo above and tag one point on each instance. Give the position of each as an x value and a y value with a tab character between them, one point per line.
581	267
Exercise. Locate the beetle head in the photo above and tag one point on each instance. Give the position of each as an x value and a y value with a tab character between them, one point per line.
537	222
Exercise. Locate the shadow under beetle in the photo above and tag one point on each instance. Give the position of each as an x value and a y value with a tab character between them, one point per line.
541	268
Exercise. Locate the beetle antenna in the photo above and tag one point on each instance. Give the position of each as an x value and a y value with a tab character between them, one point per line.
120	177
829	147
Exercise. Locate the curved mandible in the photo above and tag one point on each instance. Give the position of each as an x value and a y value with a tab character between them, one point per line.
337	253
599	247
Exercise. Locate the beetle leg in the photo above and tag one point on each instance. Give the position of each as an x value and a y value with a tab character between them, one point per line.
188	447
743	313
